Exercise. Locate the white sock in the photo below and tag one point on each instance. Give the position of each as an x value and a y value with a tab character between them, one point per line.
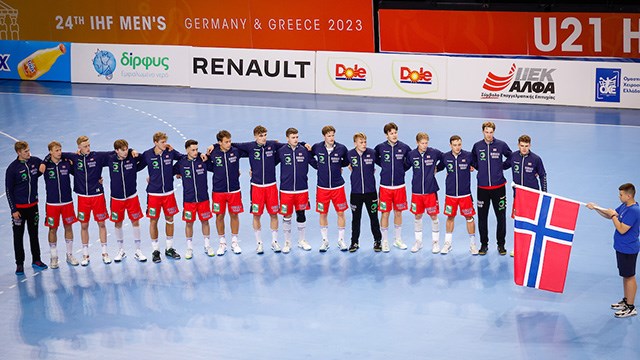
223	241
85	249
121	244
274	235
258	237
286	228
301	228
155	245
341	233
417	226
324	233
136	232
207	242
189	243
435	230
384	232
234	238
69	243
53	247
137	241
448	238
104	248
398	232
169	242
119	234
472	238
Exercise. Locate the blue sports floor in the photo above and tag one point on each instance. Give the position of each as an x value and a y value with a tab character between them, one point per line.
308	305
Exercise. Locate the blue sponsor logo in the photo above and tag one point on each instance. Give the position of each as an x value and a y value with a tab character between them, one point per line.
608	85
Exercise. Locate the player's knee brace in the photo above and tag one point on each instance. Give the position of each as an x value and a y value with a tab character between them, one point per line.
300	216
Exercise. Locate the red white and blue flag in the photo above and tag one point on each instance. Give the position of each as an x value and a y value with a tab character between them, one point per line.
543	235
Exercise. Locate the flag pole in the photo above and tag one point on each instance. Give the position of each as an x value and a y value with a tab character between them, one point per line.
514	185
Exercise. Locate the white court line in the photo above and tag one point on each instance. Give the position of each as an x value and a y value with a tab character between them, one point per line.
9	136
351	111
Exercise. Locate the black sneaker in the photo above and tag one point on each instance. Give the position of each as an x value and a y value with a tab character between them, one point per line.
483	250
19	269
39	265
354	247
502	250
377	246
155	257
171	252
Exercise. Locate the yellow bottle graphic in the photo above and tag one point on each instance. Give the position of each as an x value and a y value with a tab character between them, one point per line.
38	63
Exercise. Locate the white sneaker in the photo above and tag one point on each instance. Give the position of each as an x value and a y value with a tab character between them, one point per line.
189	254
400	244
106	259
235	247
209	251
287	247
54	263
85	260
435	247
260	249
222	249
275	247
385	246
325	246
446	248
71	260
304	245
139	256
342	245
416	246
473	248
119	256
512	254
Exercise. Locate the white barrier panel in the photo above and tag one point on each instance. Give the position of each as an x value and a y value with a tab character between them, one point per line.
130	64
549	82
253	69
390	75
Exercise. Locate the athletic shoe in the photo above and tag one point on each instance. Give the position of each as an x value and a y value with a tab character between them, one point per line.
171	253
275	247
502	250
39	265
511	253
120	255
260	249
54	262
620	304
85	260
222	248
235	247
155	256
188	254
287	247
325	246
140	257
416	246
483	250
354	247
304	245
19	269
626	312
377	246
209	251
473	249
400	244
446	248
106	259
435	247
342	245
71	260
385	246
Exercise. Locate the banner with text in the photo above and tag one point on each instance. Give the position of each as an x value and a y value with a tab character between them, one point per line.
250	69
510	33
130	64
263	24
35	60
390	75
549	82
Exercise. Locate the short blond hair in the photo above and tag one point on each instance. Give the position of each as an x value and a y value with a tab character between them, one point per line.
54	144
359	135
422	136
488	124
20	145
82	139
159	136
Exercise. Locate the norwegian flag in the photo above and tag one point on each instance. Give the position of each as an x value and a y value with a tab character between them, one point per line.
543	234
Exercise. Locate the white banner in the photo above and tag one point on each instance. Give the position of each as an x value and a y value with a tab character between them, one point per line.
253	69
130	64
390	75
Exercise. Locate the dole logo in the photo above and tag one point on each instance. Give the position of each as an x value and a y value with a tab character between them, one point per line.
410	76
356	73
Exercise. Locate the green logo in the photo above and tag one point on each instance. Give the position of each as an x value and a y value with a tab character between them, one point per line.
383	205
283	209
52	174
416	164
50	221
81	216
256	155
321	158
516	168
24	176
254	208
387	157
320	207
187	173
414	207
80	165
287	160
155	164
116	166
483	155
114	216
188	215
374	207
450	167
128	59
216	207
218	161
448	209
502	204
354	162
152	211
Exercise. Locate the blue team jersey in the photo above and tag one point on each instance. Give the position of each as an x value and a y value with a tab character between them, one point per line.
628	242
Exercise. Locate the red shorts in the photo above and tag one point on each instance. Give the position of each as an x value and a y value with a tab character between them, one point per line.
465	203
223	200
262	196
324	196
131	205
87	204
395	199
290	202
425	202
202	208
55	212
155	203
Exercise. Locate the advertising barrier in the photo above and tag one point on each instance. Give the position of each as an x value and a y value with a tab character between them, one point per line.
389	75
35	60
130	64
510	33
248	69
262	24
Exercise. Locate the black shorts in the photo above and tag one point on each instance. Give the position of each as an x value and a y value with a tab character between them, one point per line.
626	264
